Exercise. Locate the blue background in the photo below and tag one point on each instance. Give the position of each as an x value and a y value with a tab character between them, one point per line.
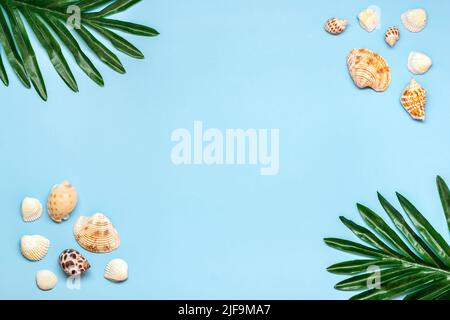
194	232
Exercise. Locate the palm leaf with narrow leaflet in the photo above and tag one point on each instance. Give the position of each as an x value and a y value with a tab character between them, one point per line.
413	265
50	21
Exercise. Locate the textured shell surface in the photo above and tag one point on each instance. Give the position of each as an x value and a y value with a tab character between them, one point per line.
72	262
369	19
31	209
62	200
368	69
46	280
96	233
419	63
335	25
116	270
414	100
392	36
414	20
34	247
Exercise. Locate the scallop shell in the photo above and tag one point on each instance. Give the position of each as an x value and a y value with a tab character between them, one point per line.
46	280
369	19
31	209
414	100
116	270
96	234
419	63
73	263
392	35
368	69
62	201
35	247
414	20
335	25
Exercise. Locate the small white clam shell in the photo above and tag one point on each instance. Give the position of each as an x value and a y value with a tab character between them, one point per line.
419	63
31	209
369	19
46	280
414	20
35	247
116	270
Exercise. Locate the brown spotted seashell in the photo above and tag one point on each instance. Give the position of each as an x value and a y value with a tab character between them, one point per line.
335	25
414	100
73	263
368	69
62	201
392	35
96	234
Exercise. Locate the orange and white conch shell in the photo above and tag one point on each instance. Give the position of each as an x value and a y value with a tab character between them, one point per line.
414	99
368	69
62	201
335	25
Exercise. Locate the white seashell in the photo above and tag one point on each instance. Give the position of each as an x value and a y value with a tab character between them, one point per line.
419	63
369	19
46	280
414	20
96	233
116	270
31	209
35	247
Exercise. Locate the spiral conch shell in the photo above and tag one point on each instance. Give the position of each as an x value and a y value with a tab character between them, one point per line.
369	19
415	20
392	35
62	201
414	100
96	234
34	248
116	270
31	209
336	26
419	63
368	69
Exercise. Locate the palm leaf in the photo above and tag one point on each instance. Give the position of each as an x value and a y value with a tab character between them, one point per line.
50	21
412	264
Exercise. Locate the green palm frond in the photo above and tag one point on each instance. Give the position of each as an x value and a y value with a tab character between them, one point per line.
413	262
56	23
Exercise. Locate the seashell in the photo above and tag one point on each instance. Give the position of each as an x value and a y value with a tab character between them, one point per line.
335	25
392	35
414	100
73	263
368	69
35	247
116	270
61	201
419	63
31	209
46	280
96	234
414	20
369	19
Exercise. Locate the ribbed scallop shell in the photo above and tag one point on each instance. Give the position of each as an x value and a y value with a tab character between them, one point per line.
414	100
419	63
369	19
72	262
31	209
62	201
392	35
116	270
368	69
96	234
335	25
414	20
34	248
46	280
